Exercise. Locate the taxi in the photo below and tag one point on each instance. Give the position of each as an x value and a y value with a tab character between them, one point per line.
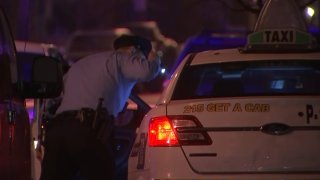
243	113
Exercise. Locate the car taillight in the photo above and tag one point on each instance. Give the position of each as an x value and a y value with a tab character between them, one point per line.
161	132
177	130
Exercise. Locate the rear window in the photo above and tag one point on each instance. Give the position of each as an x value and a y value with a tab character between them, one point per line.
256	78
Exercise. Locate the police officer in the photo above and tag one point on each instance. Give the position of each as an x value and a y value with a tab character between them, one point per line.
71	145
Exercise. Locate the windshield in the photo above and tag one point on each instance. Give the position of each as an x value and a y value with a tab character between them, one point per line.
256	78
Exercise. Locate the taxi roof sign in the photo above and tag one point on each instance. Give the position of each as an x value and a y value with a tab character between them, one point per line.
280	36
280	28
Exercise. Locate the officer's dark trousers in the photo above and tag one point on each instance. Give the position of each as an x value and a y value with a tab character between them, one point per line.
72	148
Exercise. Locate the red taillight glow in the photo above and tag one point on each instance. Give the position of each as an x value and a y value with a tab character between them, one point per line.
177	130
161	133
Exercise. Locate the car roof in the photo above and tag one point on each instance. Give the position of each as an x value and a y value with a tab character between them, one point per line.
115	31
85	42
148	29
33	47
236	54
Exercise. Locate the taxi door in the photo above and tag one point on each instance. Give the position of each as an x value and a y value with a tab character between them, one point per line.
125	132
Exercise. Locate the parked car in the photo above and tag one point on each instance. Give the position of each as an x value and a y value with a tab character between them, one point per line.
85	42
41	79
14	124
239	113
27	51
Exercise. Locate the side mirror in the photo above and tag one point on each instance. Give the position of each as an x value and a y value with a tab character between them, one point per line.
46	79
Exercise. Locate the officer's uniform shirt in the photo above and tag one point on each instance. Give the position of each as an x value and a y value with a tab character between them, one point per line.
108	75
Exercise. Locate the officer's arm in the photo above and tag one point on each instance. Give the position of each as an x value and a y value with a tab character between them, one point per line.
137	67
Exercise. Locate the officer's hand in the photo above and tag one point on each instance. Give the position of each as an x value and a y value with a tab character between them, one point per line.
39	153
152	55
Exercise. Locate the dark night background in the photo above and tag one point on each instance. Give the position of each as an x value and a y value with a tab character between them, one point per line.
54	20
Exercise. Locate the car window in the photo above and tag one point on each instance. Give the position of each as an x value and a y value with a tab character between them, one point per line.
25	65
278	77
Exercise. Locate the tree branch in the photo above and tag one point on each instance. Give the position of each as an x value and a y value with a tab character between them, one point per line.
249	8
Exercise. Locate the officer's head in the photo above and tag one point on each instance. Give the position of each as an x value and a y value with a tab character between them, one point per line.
144	45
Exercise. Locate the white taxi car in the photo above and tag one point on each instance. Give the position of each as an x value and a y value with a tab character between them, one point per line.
247	113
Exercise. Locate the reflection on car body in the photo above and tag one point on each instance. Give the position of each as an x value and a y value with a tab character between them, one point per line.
246	113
